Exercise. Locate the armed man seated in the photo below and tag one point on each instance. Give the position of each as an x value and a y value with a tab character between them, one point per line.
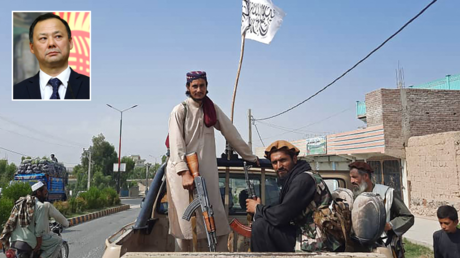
275	227
398	217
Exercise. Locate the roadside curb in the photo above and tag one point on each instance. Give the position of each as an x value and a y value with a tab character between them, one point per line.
95	215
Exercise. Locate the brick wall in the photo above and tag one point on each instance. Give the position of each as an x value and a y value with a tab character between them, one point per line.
392	122
433	171
374	108
433	111
427	112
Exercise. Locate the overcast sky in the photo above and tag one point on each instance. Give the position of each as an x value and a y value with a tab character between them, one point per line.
141	51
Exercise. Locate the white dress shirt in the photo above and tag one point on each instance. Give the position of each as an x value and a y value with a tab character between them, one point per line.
46	89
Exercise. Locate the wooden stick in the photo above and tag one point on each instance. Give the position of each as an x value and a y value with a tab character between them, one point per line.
238	73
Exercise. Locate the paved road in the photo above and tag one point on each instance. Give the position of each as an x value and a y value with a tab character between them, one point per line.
87	239
422	231
135	201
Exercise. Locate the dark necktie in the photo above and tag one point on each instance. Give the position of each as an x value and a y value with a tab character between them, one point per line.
55	82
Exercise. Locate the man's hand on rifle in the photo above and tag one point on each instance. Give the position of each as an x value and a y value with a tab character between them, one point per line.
251	205
187	180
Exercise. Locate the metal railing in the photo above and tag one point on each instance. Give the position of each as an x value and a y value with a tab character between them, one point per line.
450	82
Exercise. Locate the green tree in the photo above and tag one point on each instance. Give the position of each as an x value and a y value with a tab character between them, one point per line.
6	172
82	179
100	181
129	170
16	190
103	156
138	173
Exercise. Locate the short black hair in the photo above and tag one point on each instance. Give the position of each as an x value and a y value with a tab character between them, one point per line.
447	211
43	17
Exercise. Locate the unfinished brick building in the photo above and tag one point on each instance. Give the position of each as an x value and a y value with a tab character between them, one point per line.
410	112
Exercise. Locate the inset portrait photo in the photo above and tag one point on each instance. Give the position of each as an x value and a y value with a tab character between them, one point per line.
51	55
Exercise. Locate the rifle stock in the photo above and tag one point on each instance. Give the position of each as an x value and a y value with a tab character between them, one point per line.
192	163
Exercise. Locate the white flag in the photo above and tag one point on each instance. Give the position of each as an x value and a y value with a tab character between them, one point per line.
261	20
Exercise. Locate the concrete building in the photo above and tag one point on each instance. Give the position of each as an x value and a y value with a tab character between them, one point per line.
404	113
137	160
404	141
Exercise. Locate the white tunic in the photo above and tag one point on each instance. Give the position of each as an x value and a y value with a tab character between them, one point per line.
199	139
386	193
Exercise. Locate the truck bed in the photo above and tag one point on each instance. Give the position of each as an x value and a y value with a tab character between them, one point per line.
253	255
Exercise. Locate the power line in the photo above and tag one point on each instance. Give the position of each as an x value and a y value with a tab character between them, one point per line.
354	66
14	152
314	123
259	135
39	132
286	129
33	138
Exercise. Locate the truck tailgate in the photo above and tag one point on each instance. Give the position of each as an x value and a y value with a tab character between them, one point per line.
252	255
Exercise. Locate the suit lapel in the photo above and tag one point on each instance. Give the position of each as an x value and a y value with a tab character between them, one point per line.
34	87
73	86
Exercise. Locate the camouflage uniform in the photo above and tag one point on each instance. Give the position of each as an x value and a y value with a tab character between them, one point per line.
311	237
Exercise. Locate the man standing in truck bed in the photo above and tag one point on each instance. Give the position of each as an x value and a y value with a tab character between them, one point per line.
191	129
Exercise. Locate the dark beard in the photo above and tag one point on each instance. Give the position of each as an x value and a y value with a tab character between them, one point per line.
41	198
281	180
197	100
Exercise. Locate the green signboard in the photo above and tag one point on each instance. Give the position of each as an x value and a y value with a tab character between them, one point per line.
316	145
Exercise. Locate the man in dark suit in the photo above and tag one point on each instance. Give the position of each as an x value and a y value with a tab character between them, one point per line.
51	41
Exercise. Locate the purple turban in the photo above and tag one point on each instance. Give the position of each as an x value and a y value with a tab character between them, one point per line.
196	75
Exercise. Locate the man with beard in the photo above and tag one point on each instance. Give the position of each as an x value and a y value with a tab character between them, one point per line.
191	129
51	42
279	227
50	242
398	217
31	226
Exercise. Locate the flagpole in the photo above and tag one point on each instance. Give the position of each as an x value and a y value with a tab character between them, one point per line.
243	37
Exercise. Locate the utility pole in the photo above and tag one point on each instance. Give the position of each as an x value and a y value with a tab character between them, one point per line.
119	146
250	129
89	170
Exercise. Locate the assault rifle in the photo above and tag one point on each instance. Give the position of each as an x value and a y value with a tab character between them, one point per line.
235	224
200	194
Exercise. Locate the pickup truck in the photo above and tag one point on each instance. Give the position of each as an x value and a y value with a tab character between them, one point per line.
148	235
